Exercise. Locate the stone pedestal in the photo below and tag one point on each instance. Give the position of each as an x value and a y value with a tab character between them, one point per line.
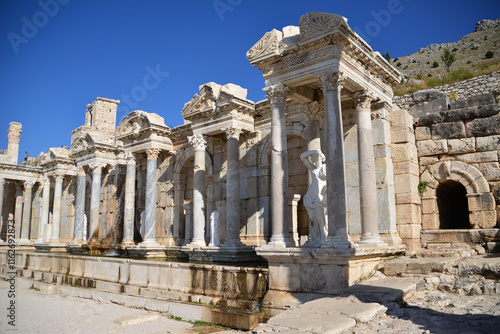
226	254
233	188
366	170
279	167
199	145
150	210
129	209
25	229
335	170
301	274
95	201
80	207
56	210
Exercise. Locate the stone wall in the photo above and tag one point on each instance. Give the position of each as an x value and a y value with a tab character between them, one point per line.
458	141
464	89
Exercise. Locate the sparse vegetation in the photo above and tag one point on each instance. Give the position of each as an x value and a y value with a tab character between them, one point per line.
435	64
387	56
489	54
448	59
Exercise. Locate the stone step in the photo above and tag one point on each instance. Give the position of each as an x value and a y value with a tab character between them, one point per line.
422	265
487	266
446	250
383	291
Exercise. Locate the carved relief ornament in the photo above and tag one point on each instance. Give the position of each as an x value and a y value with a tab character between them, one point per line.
153	153
233	132
277	94
332	81
198	142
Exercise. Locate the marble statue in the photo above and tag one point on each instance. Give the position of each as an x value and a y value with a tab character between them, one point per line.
315	198
142	229
214	229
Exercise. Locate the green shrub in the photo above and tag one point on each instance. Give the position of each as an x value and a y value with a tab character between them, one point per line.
489	54
398	64
435	64
429	75
448	58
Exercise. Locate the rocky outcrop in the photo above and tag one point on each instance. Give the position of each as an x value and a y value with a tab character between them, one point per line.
487	24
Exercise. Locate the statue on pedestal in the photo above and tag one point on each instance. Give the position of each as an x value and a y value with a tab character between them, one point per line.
315	198
214	229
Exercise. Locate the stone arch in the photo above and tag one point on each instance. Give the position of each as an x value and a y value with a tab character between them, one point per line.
179	191
482	213
293	129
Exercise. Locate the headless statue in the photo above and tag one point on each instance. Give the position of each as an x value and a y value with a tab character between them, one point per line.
214	229
315	198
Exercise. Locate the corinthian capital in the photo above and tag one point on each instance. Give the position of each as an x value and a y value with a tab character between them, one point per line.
362	98
59	178
97	167
153	153
198	142
276	94
233	132
129	158
29	184
332	81
312	111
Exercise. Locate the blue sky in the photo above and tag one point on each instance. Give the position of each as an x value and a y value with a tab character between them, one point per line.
56	56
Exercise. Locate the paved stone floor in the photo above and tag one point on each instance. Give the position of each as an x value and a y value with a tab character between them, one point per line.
55	314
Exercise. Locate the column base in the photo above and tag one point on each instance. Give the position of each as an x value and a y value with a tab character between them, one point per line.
78	248
338	243
148	243
279	242
197	244
224	254
24	242
124	244
370	240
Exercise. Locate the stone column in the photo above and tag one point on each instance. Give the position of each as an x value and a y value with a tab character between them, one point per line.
14	137
18	211
199	144
366	170
338	236
2	186
56	209
95	201
81	185
179	229
44	219
279	167
294	233
129	209
233	187
150	210
25	229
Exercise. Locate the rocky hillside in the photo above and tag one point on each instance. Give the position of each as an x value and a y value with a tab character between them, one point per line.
470	54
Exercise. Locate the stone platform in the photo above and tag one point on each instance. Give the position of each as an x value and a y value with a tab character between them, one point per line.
224	295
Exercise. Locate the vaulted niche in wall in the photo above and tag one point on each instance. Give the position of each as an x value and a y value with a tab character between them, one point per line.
452	205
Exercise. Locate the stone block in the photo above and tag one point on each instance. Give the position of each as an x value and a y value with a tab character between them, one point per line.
425	95
409	231
483	219
481	202
252	187
429	107
279	277
350	155
404	152
489	143
384	171
430	221
407	214
405	183
429	205
465	145
407	198
478	157
473	101
381	131
406	167
490	170
427	161
448	130
400	119
484	127
402	136
382	151
432	147
351	174
423	132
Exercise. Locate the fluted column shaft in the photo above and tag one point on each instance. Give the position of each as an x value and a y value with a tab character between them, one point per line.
56	209
129	209
18	211
44	219
335	170
199	144
25	230
150	210
366	168
95	201
81	185
233	187
279	167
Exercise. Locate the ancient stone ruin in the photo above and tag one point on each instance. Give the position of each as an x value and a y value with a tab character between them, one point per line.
392	175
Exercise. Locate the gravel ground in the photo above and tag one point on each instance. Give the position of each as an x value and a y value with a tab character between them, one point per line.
439	312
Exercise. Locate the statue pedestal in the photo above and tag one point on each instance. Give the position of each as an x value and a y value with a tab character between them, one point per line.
297	275
224	254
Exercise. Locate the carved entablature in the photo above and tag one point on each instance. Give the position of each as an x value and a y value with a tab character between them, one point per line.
57	159
85	140
140	130
316	25
216	102
266	48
